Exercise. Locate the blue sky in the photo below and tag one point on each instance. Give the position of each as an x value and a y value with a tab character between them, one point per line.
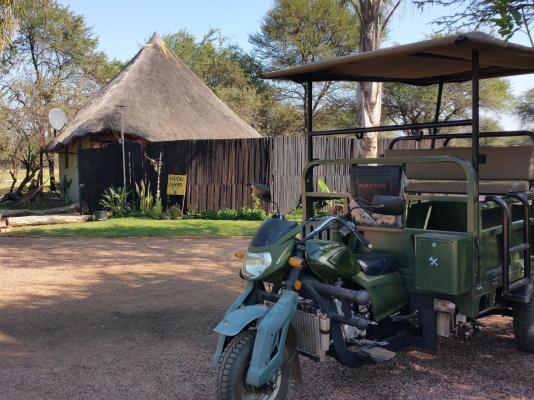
122	26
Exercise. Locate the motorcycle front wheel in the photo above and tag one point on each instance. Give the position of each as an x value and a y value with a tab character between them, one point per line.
232	372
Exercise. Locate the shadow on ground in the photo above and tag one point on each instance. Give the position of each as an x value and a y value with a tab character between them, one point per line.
133	319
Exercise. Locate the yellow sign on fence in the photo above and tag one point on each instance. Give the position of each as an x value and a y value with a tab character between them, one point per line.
176	185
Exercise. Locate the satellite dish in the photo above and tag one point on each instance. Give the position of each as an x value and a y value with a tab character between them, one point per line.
57	118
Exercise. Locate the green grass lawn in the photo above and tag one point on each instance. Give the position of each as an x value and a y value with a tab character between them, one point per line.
124	227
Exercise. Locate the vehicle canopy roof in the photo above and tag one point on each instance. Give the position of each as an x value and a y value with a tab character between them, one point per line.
446	59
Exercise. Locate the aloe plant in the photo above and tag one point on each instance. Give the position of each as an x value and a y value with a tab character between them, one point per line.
116	201
146	198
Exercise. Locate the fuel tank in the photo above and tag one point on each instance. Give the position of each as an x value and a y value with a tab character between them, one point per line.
330	260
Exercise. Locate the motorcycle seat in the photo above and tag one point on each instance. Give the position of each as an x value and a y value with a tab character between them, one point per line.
374	264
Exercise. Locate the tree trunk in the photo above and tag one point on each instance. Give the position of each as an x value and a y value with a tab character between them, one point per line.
369	112
47	220
50	211
51	167
370	93
13	174
41	164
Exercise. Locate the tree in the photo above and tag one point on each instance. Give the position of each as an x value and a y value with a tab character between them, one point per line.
507	16
52	61
297	32
215	62
8	22
525	108
406	104
373	18
233	76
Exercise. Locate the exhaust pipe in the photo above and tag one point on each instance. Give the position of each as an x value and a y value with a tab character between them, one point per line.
360	297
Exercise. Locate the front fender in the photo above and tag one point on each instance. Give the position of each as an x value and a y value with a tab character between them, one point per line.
237	320
249	286
270	337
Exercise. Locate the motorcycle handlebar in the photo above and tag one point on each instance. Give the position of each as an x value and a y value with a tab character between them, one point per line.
329	220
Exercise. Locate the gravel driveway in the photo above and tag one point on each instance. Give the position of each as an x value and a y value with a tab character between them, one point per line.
133	318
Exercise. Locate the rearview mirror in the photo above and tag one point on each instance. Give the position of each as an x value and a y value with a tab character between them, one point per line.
388	205
262	192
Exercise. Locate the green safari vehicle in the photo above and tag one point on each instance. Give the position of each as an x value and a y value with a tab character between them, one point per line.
459	247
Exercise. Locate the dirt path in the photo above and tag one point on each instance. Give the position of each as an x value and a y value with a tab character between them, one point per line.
132	319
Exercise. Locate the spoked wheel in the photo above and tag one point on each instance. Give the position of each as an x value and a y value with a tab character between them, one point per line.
524	326
232	372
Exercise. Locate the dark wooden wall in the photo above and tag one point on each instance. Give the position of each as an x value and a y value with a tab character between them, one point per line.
101	168
219	172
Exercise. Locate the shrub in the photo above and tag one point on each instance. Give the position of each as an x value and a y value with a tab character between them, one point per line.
295	214
156	212
116	201
146	199
231	214
227	213
174	212
251	214
64	187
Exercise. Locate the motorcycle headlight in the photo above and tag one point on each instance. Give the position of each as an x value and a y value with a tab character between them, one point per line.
255	264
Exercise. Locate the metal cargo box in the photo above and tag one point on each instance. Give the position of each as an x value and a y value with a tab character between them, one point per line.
443	263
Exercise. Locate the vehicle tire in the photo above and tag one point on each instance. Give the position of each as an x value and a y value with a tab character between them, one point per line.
524	326
232	371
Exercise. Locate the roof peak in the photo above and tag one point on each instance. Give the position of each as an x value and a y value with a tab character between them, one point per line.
155	39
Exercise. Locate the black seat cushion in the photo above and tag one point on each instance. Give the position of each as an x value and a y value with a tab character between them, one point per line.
374	264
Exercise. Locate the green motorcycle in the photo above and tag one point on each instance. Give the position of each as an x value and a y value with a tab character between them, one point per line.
306	293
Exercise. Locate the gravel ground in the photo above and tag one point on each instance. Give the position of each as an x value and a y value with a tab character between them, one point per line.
132	319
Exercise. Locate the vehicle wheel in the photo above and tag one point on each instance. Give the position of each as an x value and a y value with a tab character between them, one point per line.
232	371
524	326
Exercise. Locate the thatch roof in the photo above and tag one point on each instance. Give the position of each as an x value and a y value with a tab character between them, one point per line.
164	100
446	59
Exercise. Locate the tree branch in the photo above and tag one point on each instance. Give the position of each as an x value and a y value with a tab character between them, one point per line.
386	20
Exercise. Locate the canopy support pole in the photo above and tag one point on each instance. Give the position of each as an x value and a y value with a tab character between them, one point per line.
309	121
308	207
475	142
438	110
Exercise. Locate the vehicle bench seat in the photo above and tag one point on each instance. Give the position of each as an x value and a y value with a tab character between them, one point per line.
509	168
374	263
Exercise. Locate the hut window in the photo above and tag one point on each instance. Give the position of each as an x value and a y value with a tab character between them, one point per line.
66	157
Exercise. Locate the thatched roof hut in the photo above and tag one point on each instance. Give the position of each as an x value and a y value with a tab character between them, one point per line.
160	99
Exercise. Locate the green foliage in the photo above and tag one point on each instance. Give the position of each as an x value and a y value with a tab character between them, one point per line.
406	104
8	22
323	187
156	211
507	16
525	108
233	76
217	63
243	214
147	204
302	31
295	214
64	187
145	197
116	201
51	61
333	204
174	212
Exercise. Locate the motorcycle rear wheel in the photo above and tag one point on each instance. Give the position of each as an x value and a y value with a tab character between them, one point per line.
232	371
